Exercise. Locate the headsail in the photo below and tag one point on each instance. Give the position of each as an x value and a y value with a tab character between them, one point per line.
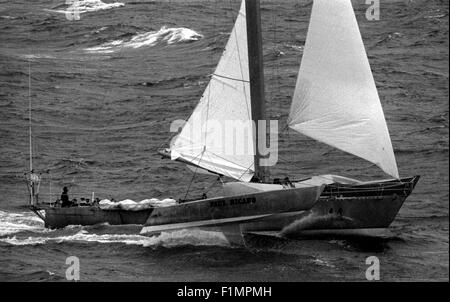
204	140
336	100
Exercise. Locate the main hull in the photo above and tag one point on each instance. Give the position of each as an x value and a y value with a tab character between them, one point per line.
57	217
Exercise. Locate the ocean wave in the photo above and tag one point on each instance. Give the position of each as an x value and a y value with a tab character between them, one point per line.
165	239
436	16
390	37
187	237
38	56
166	35
23	241
12	223
83	6
322	262
35	276
8	17
299	48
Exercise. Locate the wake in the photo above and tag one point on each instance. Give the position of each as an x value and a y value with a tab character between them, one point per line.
25	229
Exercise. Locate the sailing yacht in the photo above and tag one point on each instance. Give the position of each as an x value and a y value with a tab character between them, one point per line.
335	102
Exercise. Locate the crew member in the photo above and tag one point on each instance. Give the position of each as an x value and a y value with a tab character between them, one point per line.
65	202
35	181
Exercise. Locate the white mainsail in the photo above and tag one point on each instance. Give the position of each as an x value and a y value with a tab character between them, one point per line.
336	100
204	140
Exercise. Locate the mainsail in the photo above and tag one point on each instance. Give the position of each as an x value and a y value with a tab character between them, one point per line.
336	100
206	140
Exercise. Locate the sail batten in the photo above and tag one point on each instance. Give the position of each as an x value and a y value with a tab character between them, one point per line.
335	100
204	140
228	78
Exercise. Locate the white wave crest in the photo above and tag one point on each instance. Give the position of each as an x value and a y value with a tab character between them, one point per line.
152	38
188	237
38	56
84	6
23	241
322	262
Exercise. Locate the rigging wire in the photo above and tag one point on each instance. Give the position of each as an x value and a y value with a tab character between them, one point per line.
207	104
195	174
208	189
210	83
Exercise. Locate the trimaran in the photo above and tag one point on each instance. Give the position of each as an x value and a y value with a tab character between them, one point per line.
335	102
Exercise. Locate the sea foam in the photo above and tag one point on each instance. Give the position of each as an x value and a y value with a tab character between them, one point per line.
184	237
24	228
12	223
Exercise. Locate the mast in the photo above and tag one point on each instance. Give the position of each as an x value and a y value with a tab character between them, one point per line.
256	74
29	115
31	185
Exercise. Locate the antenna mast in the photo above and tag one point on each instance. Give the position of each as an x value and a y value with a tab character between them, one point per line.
29	114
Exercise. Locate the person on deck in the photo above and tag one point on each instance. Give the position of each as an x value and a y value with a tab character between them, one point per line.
35	180
65	198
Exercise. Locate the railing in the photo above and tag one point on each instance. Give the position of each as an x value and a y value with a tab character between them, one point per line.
379	190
